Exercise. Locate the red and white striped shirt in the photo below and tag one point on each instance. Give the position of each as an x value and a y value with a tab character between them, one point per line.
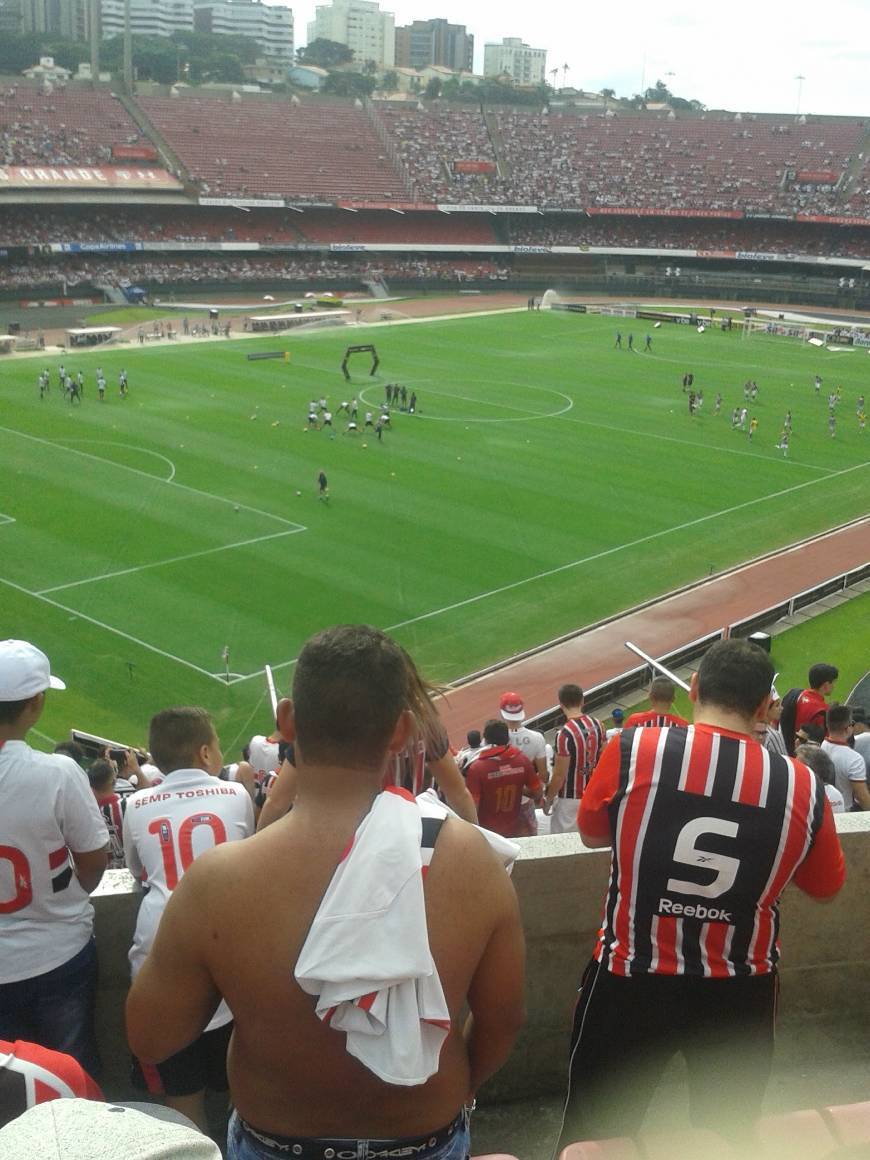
651	720
707	829
581	740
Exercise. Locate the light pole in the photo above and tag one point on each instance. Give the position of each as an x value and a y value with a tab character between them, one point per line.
800	78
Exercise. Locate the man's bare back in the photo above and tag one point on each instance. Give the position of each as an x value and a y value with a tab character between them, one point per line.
237	923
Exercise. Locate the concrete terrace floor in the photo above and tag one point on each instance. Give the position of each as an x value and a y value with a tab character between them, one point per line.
815	1066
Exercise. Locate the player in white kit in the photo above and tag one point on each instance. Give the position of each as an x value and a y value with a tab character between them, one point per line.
165	829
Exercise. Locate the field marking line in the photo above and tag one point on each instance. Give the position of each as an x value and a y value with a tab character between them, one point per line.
596	556
153	478
523	417
6	519
171	560
109	628
43	736
129	447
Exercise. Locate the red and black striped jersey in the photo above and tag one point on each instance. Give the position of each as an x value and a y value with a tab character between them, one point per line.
581	740
651	720
707	828
31	1075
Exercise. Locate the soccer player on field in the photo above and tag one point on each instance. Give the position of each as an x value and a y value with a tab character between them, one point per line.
323	486
166	828
706	828
498	779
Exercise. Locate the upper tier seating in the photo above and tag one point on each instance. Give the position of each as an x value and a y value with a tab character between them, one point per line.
69	126
274	149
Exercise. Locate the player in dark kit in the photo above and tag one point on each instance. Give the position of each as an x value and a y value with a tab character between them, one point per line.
707	828
323	486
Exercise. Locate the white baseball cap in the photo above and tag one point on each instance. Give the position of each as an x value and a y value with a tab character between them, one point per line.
24	671
88	1130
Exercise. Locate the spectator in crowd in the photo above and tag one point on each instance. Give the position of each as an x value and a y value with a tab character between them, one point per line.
531	743
31	1075
811	705
770	735
102	776
686	958
54	853
861	735
240	920
164	832
851	772
263	753
469	751
578	747
819	762
662	692
498	779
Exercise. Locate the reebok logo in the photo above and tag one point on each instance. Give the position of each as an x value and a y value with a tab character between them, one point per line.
705	913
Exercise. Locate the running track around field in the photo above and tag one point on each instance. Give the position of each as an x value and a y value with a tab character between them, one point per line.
599	654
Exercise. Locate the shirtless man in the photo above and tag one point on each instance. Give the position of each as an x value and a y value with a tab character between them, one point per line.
237	922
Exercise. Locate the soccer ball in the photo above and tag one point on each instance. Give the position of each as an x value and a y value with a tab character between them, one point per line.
299	493
236	507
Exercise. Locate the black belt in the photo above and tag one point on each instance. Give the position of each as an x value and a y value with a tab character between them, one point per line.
307	1148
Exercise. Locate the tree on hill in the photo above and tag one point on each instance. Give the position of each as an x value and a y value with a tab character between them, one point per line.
324	53
349	84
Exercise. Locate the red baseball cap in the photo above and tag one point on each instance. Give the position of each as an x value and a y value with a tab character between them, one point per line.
511	707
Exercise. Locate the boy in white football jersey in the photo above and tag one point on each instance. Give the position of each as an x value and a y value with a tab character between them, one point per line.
165	829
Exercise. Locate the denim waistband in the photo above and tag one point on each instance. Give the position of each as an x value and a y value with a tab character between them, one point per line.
308	1148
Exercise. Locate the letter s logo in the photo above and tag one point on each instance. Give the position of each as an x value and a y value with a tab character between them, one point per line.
689	854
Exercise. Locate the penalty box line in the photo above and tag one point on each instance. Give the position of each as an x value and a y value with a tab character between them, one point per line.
170	560
74	612
596	556
154	478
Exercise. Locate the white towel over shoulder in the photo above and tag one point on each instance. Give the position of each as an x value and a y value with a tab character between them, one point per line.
367	958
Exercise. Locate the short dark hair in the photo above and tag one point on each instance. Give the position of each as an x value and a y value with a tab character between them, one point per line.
472	738
10	711
735	675
838	717
496	732
570	696
175	736
350	686
100	773
72	749
813	731
662	689
820	674
818	761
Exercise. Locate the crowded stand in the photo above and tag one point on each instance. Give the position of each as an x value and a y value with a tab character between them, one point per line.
165	271
213	972
70	126
307	151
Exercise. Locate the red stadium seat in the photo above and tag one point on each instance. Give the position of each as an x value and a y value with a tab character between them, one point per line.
850	1123
619	1148
802	1135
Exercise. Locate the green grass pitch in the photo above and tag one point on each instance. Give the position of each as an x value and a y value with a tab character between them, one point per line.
548	481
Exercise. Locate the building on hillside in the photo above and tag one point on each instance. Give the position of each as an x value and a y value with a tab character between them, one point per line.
147	17
524	65
270	25
11	17
360	24
48	72
70	19
307	76
434	42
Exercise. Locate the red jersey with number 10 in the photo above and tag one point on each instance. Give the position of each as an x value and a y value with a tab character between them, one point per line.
707	830
496	781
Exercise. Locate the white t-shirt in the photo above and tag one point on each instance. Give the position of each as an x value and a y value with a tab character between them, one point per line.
263	754
848	767
168	827
838	806
531	743
46	809
862	746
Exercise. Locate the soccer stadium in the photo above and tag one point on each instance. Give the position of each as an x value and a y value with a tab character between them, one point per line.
550	395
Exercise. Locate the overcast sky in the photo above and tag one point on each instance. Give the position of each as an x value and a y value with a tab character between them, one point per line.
743	57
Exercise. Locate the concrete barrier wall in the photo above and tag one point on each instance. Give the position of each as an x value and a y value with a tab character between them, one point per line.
561	885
